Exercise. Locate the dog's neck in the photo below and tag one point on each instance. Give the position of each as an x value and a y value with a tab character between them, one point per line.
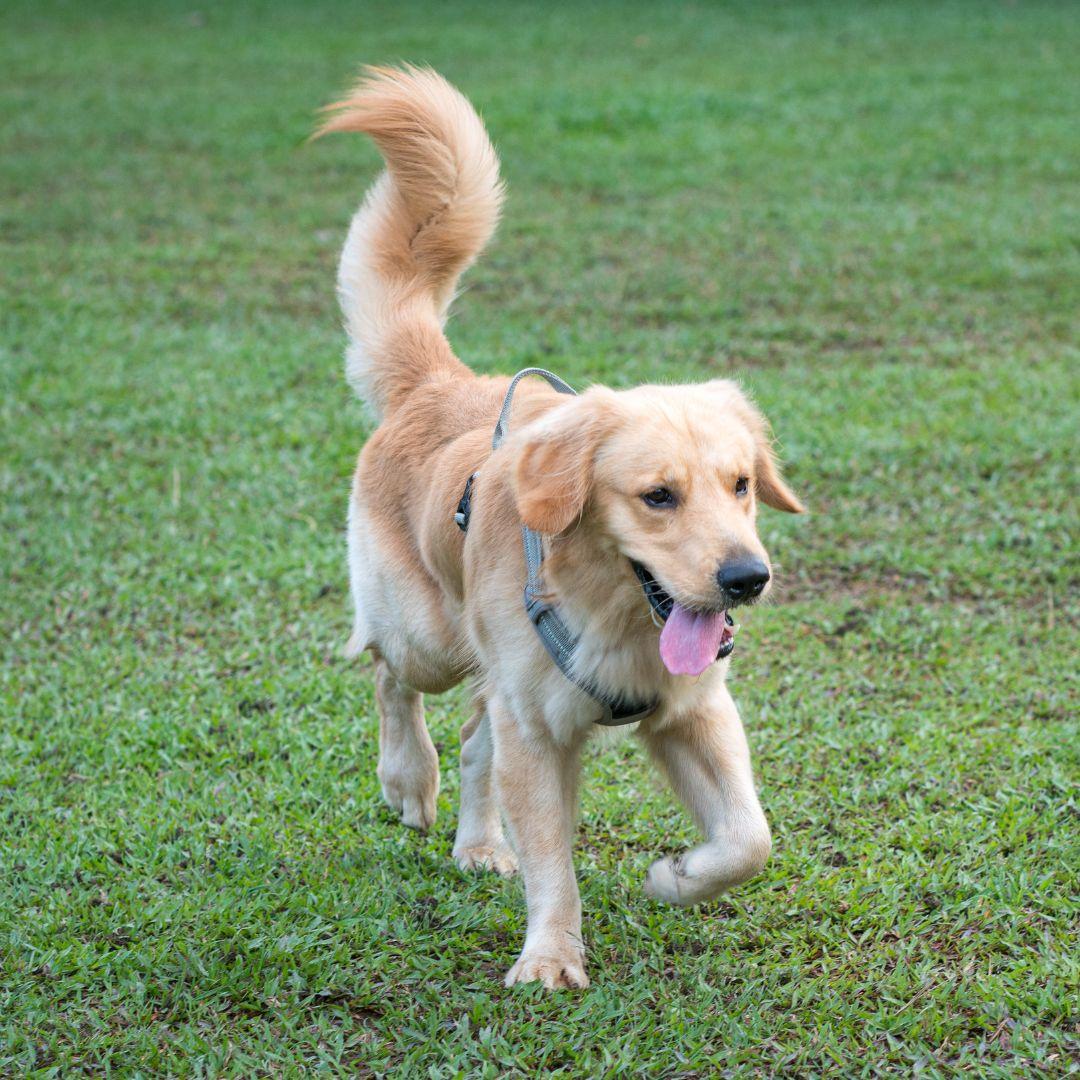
599	597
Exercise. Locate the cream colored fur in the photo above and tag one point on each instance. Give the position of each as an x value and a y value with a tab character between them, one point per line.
434	606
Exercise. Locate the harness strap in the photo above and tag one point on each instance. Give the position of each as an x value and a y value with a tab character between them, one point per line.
555	635
504	413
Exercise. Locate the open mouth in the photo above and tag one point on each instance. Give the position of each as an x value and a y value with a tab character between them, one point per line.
690	640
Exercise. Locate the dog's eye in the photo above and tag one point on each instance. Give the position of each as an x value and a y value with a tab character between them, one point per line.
659	497
742	486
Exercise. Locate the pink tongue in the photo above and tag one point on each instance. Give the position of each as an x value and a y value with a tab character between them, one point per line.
690	641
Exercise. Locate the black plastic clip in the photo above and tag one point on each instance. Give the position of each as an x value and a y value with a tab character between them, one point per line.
464	506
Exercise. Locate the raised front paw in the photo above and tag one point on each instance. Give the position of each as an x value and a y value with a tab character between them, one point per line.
668	882
565	971
706	871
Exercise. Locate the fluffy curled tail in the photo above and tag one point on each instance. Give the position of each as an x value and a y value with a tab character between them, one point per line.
421	225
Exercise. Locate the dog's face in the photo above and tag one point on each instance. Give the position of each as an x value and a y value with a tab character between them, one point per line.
672	476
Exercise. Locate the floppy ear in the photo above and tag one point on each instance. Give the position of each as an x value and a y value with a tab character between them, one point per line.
768	482
554	468
770	485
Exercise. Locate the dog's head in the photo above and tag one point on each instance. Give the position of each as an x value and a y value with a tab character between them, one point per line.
671	476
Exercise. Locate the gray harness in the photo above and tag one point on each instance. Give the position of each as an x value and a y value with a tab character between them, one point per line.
555	635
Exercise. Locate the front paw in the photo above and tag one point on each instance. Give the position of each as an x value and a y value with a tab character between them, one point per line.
704	872
498	857
557	971
668	881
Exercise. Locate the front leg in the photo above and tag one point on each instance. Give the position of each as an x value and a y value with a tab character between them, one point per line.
708	762
537	782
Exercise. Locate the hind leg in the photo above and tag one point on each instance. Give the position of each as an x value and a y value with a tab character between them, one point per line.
408	764
479	843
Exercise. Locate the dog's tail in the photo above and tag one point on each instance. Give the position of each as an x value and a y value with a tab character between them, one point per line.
422	223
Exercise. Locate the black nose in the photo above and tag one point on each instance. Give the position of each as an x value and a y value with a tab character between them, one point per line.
743	579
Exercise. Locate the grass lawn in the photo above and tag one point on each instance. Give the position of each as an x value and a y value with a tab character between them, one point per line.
867	213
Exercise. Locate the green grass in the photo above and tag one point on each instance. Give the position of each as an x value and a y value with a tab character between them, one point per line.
867	213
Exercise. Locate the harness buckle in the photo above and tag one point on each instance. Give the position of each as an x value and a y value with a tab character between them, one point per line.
464	506
535	607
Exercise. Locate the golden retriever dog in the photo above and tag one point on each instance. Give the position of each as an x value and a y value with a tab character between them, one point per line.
640	503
